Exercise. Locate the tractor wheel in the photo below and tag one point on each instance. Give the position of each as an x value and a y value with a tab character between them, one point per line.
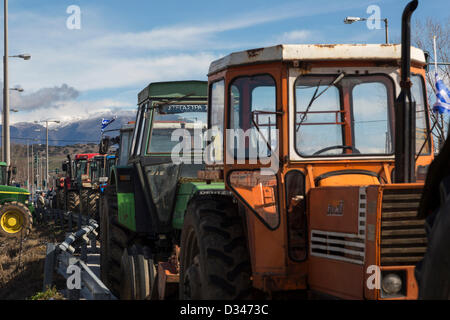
137	274
73	201
84	201
92	204
16	220
116	239
104	242
215	263
60	199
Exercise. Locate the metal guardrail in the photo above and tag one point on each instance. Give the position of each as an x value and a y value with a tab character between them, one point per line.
73	253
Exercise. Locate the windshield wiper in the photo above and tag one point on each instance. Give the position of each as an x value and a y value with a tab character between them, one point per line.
316	96
255	124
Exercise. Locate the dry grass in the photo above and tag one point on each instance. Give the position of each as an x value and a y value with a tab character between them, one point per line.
22	262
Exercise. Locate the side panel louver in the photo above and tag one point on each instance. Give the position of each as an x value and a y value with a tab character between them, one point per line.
403	237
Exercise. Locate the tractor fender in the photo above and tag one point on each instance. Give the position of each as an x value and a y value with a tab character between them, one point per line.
132	208
121	176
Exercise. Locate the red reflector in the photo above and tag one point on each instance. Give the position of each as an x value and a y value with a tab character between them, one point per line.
124	178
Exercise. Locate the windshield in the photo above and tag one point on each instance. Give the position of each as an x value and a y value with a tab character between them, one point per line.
350	116
109	164
81	168
125	143
192	118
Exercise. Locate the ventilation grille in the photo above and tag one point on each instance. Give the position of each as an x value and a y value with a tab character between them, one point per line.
403	237
337	246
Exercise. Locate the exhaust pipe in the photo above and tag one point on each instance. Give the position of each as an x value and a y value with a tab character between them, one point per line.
405	109
70	166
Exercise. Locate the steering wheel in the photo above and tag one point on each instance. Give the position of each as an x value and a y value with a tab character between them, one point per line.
336	147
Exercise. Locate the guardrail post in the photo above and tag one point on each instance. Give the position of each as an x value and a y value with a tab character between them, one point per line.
84	251
61	218
93	242
49	265
70	221
80	221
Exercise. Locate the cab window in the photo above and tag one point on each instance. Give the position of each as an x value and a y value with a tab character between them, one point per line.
252	110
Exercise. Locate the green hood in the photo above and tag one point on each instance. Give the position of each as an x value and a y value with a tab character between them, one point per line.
14	190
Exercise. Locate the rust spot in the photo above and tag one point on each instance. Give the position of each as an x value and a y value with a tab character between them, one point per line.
325	45
254	52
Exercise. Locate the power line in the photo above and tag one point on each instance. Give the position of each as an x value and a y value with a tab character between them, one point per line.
42	139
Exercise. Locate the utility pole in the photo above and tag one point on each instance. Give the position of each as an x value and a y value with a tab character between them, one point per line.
32	169
46	129
28	166
38	185
6	150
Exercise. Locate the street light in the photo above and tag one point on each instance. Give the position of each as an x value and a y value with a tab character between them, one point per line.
24	56
46	126
6	137
350	20
19	89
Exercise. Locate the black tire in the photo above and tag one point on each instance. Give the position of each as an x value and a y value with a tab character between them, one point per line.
84	200
92	206
104	242
60	199
73	201
137	274
214	259
432	273
19	212
117	241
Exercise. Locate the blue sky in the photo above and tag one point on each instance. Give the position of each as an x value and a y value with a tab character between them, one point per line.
124	45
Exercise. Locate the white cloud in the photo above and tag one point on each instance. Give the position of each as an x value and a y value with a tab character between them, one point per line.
295	36
72	110
96	58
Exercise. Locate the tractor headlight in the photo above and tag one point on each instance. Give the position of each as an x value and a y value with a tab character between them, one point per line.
391	284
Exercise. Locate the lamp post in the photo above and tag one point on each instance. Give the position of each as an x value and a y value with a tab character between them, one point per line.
6	154
46	126
350	20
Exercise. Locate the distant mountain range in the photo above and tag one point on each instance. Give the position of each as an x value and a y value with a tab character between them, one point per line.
69	133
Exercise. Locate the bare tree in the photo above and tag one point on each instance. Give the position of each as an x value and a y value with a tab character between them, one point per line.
423	38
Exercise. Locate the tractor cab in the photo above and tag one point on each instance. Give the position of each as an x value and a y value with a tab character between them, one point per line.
3	174
101	168
308	145
84	165
126	134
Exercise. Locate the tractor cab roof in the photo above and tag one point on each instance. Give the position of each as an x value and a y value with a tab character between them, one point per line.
189	90
128	126
318	52
85	156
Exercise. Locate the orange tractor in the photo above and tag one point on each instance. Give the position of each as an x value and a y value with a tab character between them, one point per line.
328	201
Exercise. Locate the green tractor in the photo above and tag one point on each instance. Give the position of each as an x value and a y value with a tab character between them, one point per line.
147	199
16	219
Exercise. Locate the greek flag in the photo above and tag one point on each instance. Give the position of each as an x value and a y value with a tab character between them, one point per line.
106	122
442	104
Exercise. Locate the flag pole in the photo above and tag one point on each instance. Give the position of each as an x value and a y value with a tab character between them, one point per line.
435	57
